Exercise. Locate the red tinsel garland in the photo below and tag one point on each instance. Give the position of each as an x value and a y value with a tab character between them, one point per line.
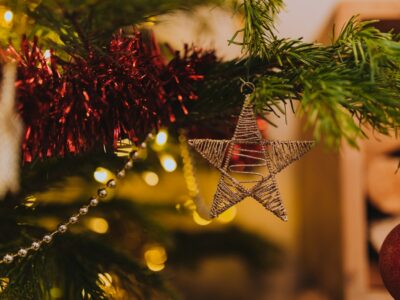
90	103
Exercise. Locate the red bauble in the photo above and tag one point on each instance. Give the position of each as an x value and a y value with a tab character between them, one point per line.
389	262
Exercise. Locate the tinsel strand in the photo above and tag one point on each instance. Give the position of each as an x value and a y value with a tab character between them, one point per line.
90	103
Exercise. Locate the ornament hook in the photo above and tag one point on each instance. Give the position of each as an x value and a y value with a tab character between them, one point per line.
247	87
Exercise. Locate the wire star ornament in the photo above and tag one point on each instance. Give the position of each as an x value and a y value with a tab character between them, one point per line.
243	179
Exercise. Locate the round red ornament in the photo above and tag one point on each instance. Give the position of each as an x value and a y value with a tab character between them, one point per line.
389	262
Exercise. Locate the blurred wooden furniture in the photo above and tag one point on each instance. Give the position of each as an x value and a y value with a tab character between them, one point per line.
335	192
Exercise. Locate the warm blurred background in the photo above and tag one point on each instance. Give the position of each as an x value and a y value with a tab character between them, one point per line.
337	226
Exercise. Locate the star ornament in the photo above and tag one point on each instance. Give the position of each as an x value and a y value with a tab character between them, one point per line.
240	161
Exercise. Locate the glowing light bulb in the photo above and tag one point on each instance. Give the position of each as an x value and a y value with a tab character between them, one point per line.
47	54
150	178
98	225
228	215
8	16
102	175
161	138
155	268
155	257
199	220
168	162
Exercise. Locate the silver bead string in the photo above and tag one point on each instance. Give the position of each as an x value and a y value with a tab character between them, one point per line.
102	192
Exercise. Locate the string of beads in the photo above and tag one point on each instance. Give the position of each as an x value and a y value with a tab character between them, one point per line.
102	192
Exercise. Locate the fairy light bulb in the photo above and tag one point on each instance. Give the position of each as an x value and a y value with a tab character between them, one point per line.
161	138
98	225
47	54
102	175
155	257
168	162
199	220
150	178
8	16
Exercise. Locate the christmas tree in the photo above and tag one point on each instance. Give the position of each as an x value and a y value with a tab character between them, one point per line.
101	105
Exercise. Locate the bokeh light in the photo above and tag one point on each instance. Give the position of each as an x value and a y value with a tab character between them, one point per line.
161	137
200	220
102	175
8	16
150	178
55	293
47	54
98	225
228	215
168	162
155	257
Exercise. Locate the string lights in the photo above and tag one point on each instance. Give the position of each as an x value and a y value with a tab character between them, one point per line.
155	257
8	16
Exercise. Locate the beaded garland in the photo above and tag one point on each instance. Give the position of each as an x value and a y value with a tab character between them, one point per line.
102	192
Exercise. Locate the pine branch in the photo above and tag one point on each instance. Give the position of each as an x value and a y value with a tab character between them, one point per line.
258	30
340	88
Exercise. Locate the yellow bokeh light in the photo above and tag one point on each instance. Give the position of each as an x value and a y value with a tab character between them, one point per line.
168	162
155	268
150	178
98	225
55	293
161	138
199	220
8	16
228	215
156	255
102	175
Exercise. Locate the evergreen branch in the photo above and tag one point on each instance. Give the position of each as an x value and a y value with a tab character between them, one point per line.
368	47
258	30
340	87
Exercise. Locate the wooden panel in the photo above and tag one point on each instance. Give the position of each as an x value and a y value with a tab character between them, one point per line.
351	167
366	9
320	245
